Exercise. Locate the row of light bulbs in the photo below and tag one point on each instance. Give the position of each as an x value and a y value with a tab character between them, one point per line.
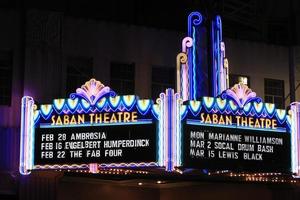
256	177
109	171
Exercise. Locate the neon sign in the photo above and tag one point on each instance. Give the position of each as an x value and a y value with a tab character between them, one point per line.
236	132
93	126
232	129
235	129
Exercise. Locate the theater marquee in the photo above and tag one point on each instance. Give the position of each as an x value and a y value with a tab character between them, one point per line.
92	127
236	133
230	130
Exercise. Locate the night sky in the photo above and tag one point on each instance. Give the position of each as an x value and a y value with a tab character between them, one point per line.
270	21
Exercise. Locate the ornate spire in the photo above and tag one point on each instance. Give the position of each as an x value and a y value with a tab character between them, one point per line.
240	94
92	91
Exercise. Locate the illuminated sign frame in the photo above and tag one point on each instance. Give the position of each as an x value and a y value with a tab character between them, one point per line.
92	97
170	113
234	104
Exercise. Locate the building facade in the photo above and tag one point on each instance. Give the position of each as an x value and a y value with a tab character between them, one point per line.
54	54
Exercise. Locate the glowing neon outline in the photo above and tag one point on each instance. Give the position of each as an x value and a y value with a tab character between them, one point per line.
144	121
194	19
170	103
178	138
161	148
92	91
214	108
194	88
187	42
295	138
199	123
27	131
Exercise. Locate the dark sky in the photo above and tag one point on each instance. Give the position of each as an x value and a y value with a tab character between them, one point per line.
258	20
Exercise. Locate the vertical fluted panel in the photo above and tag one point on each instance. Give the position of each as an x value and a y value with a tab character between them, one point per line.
9	149
39	185
43	71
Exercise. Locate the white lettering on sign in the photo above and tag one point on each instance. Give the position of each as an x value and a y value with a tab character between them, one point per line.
61	145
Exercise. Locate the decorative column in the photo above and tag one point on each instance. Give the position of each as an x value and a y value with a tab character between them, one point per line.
27	132
170	119
197	61
207	72
93	168
295	137
217	59
224	71
183	69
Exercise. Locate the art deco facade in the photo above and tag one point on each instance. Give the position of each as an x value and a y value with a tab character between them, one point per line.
54	54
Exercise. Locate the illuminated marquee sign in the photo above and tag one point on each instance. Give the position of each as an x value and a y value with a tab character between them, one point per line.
232	130
92	127
235	133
